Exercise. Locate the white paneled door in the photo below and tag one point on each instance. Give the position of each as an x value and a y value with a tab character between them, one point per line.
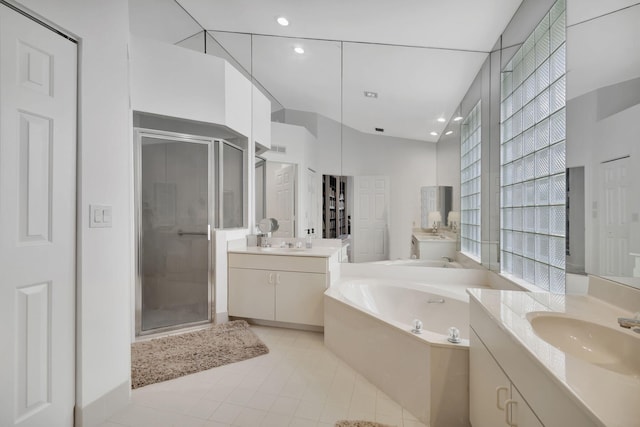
370	218
615	227
37	223
284	207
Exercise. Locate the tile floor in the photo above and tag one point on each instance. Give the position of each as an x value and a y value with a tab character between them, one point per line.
299	383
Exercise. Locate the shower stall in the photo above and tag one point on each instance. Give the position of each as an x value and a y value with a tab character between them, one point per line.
175	213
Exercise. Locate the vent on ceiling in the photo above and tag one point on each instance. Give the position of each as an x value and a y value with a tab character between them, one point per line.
379	130
278	148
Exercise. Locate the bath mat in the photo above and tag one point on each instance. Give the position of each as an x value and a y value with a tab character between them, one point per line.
165	358
359	423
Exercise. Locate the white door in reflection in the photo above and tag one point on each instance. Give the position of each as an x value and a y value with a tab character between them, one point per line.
281	197
370	218
174	226
614	218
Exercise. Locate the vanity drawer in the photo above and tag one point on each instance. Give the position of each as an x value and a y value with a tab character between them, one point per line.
279	262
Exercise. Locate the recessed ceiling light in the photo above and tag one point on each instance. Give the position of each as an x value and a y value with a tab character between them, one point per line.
370	94
433	133
299	50
457	118
441	119
449	132
283	21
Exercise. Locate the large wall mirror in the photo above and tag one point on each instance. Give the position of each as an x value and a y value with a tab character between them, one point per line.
603	133
367	110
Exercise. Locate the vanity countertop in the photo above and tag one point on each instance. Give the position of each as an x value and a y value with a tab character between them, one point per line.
610	398
427	236
316	251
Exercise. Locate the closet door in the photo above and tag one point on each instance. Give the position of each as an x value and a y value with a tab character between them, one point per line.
37	223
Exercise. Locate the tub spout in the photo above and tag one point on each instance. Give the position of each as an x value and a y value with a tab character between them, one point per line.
436	301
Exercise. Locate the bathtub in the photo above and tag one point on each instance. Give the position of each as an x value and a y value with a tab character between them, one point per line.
418	263
368	322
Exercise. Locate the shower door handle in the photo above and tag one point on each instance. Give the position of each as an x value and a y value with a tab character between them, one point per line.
193	233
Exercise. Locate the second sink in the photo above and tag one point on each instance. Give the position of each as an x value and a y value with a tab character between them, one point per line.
606	347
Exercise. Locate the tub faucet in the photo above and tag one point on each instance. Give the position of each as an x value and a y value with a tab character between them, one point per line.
446	258
629	323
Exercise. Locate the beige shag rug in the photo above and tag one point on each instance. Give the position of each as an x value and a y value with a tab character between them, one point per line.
173	356
349	423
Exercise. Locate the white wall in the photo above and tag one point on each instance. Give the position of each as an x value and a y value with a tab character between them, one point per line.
104	279
448	165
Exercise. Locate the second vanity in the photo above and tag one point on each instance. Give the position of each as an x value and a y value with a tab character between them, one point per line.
281	284
432	246
518	378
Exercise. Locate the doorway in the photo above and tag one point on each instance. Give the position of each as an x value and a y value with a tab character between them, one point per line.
174	217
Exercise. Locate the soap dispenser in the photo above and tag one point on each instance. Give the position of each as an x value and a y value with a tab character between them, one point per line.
308	243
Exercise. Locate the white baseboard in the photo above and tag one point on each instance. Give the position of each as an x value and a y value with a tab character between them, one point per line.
99	411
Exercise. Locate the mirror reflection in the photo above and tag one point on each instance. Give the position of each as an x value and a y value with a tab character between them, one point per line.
280	196
603	124
368	110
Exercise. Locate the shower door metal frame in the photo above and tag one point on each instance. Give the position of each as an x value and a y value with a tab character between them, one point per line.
140	133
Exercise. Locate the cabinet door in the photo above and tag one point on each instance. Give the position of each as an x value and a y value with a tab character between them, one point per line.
519	413
252	293
489	387
299	297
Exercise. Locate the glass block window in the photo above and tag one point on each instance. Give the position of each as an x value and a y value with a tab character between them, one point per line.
470	184
532	156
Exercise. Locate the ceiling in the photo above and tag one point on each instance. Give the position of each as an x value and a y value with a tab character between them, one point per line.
420	58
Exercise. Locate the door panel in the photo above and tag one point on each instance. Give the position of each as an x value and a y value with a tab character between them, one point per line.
371	218
299	297
252	293
489	387
614	222
174	249
37	223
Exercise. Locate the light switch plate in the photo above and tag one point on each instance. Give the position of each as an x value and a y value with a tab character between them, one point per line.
99	216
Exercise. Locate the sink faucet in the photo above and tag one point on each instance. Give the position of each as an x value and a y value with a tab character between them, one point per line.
629	323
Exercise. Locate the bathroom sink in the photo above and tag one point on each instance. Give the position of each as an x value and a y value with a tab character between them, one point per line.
606	347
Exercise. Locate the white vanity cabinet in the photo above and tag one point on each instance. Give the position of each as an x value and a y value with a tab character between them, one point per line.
507	386
432	247
279	288
495	400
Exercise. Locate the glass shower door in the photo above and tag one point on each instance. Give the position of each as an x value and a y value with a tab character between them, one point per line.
174	229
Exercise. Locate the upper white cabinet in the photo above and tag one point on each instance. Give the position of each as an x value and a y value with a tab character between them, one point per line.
176	82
